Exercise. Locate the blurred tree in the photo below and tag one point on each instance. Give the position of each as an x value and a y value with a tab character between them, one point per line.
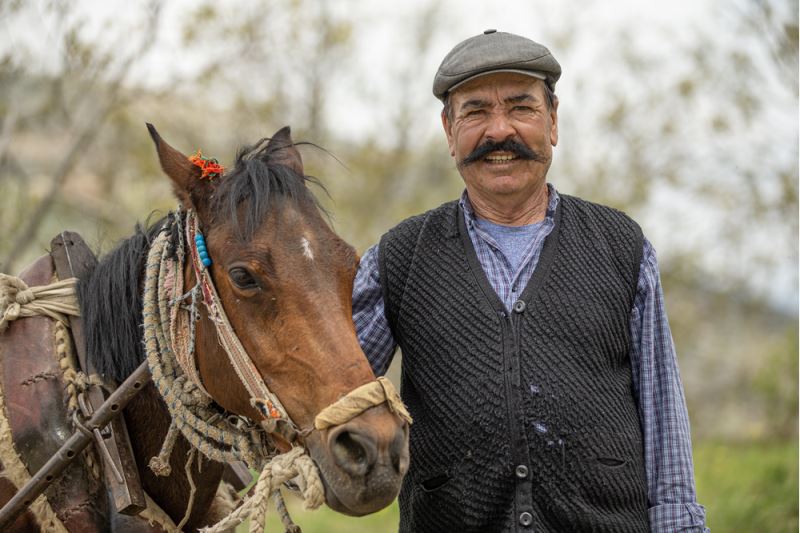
71	98
682	130
278	58
398	171
88	104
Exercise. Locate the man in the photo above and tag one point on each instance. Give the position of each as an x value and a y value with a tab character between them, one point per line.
537	358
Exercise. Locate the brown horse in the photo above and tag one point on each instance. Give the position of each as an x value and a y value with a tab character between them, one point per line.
284	279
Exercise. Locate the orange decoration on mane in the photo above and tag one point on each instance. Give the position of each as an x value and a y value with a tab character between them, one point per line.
210	167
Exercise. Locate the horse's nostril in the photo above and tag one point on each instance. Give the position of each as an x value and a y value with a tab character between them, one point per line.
354	452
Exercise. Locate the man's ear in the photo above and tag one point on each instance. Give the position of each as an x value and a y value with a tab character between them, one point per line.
185	176
449	132
281	150
554	121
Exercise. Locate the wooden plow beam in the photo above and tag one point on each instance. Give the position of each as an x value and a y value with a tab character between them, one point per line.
73	259
79	440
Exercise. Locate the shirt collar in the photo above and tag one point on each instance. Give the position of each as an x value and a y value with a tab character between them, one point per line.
471	217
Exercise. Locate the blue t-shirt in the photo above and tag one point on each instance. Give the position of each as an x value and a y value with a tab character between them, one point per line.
512	241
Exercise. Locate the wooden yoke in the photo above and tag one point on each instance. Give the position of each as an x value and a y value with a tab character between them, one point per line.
73	258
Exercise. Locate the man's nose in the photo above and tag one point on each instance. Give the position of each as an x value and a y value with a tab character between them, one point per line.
499	127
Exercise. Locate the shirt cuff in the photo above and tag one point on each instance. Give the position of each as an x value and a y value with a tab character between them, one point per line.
684	517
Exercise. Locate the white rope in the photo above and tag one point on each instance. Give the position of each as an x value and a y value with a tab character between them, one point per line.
282	468
17	300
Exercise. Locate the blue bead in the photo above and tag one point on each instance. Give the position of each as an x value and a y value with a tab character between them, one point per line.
201	247
206	261
203	255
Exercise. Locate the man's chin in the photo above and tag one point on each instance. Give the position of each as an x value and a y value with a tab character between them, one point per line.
505	184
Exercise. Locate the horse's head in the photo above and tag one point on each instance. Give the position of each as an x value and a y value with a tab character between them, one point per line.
285	280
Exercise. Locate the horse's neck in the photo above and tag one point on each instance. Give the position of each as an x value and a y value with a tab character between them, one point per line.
148	421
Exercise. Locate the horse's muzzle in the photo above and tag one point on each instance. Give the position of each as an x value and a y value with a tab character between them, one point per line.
363	461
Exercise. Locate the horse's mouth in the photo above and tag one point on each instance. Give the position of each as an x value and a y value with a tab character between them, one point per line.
362	462
368	496
359	495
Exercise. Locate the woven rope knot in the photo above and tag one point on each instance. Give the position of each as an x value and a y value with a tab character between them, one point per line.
25	296
17	300
189	393
159	464
83	381
11	313
12	285
293	464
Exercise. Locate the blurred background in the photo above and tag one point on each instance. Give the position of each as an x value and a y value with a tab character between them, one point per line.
684	115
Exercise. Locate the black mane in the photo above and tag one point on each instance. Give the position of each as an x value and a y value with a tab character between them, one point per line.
110	299
251	189
111	295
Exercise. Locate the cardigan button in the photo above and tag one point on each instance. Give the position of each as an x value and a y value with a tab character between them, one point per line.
521	471
519	306
525	519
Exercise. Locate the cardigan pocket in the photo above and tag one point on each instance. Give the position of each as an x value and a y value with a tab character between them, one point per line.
435	482
437	504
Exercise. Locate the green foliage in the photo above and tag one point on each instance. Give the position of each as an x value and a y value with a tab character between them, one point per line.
776	384
324	520
748	487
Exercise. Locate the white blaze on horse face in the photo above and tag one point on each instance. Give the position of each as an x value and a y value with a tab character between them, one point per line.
304	242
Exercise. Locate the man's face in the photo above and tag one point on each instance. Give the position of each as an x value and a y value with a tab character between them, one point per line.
491	110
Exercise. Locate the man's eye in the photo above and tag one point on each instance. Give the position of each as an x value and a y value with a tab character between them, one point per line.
523	109
242	278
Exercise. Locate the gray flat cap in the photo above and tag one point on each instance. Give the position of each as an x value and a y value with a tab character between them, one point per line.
494	51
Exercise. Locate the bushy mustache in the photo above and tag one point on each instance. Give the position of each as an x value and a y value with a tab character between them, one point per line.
509	145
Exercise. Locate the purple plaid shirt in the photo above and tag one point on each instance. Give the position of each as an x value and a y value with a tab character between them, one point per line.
656	382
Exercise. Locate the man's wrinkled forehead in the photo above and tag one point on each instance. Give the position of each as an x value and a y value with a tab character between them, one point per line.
498	88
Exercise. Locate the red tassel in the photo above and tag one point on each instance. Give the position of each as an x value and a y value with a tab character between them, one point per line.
210	167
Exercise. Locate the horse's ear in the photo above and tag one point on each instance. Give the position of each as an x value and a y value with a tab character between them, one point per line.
185	176
282	150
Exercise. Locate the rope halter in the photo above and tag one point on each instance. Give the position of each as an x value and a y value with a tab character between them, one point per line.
169	343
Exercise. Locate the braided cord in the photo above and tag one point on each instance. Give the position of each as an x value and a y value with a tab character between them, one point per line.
279	470
188	406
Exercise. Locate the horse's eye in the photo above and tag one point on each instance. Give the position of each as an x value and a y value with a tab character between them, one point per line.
242	278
